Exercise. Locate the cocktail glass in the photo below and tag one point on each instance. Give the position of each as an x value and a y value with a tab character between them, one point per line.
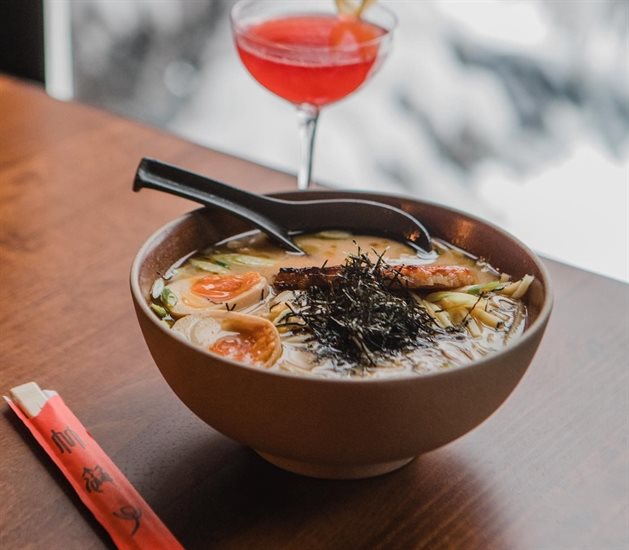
310	55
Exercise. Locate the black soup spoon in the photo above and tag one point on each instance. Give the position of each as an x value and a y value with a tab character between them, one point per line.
281	219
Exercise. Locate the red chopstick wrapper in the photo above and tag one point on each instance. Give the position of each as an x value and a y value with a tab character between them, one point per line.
101	486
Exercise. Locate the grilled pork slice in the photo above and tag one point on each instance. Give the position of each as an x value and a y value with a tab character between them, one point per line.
431	276
409	276
291	278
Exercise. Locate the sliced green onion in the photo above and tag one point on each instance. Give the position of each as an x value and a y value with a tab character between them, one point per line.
157	288
219	262
169	298
206	265
241	259
159	310
452	299
479	289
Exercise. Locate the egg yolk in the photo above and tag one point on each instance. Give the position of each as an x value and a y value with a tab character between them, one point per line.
253	345
240	347
221	288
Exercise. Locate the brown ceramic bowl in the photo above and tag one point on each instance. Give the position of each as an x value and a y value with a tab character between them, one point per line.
340	428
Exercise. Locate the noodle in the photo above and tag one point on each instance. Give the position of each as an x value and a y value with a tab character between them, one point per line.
344	312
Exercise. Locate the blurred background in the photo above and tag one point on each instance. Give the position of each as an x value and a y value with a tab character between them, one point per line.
514	110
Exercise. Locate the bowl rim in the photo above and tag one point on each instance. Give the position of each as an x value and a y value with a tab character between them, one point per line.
518	342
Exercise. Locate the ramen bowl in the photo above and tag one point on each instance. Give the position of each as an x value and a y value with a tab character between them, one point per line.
339	428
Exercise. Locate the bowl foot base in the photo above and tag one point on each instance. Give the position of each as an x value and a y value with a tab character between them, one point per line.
334	471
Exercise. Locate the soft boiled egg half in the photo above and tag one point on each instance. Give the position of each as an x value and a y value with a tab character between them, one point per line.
203	293
237	336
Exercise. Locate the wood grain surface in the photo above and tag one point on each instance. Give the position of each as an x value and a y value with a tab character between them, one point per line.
550	469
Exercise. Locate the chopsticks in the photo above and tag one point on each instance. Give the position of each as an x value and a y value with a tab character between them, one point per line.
98	482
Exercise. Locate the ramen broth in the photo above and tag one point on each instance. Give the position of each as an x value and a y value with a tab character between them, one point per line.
224	300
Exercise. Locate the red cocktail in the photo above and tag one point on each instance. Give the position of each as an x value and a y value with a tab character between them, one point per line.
347	51
310	58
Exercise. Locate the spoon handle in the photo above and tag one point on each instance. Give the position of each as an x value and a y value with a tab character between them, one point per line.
154	174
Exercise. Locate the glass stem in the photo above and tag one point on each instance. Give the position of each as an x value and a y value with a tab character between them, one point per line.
307	116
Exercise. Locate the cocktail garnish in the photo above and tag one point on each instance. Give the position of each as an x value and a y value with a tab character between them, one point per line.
354	8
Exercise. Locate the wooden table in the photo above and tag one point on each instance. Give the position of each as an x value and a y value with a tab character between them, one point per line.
549	469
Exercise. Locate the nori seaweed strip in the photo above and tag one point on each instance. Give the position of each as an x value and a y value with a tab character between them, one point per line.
363	319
